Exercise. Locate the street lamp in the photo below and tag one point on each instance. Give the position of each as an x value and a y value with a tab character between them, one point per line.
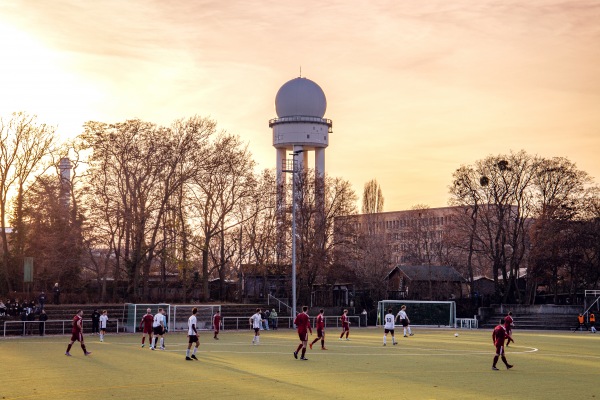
294	171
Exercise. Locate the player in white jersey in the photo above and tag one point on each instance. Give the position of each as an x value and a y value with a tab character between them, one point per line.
389	327
256	324
158	327
404	320
192	336
103	322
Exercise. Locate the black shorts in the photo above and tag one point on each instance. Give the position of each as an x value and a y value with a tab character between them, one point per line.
192	338
158	330
389	331
404	322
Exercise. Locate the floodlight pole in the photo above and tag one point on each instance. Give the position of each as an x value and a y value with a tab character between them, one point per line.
294	171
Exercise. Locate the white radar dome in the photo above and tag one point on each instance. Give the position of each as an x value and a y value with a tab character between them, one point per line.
300	97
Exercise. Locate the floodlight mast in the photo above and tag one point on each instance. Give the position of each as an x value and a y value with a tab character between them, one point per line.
294	194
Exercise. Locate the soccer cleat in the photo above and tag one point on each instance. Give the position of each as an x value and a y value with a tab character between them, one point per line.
395	343
340	338
310	345
162	347
304	358
188	358
404	335
143	345
296	355
102	340
152	348
347	339
495	369
384	344
412	334
87	353
323	348
194	357
508	366
68	354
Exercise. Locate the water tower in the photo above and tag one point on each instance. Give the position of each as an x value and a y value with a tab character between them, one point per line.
300	127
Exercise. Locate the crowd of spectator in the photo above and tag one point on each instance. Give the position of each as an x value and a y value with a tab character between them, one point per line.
27	311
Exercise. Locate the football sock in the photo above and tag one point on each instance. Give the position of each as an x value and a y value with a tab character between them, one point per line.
303	351
322	342
162	342
143	339
83	348
495	361
194	351
69	348
504	361
384	339
299	347
187	353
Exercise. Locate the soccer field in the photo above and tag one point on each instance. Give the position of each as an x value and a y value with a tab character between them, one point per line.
433	364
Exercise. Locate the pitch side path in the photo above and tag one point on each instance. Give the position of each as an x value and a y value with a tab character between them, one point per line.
432	364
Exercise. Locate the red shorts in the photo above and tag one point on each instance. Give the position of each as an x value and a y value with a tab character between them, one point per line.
148	329
500	349
320	332
345	326
77	337
303	336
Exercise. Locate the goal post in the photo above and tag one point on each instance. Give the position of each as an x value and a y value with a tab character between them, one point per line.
134	313
424	313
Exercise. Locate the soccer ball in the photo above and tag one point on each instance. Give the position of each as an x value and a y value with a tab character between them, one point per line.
456	335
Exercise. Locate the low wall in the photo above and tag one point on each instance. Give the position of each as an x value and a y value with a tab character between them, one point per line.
519	309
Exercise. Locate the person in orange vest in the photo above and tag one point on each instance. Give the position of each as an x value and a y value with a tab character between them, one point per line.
592	322
580	322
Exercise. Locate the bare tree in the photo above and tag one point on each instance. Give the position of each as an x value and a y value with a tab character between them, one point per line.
372	201
24	144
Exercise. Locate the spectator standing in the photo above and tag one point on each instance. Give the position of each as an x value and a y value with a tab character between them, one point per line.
42	300
95	321
30	321
43	318
592	322
274	319
3	309
580	322
23	316
266	319
56	293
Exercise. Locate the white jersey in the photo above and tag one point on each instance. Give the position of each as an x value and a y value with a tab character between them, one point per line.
103	321
402	314
159	320
192	323
256	320
389	321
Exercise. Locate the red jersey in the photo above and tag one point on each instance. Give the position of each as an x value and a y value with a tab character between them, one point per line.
498	335
508	322
320	323
344	319
216	321
302	321
77	325
146	323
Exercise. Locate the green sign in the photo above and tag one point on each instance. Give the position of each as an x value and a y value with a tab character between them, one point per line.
28	270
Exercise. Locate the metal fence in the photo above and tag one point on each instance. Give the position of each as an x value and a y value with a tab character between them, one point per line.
237	323
53	327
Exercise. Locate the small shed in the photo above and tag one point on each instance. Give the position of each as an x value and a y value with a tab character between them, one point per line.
425	282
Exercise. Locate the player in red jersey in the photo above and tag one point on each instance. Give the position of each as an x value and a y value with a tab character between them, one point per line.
508	325
302	322
345	325
498	337
146	326
320	325
216	323
77	334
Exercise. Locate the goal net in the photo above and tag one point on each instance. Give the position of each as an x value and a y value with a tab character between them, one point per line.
176	315
181	313
424	313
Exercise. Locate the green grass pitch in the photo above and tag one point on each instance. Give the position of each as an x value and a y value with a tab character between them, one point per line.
433	364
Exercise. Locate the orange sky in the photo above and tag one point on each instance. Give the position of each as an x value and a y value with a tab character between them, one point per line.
414	88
